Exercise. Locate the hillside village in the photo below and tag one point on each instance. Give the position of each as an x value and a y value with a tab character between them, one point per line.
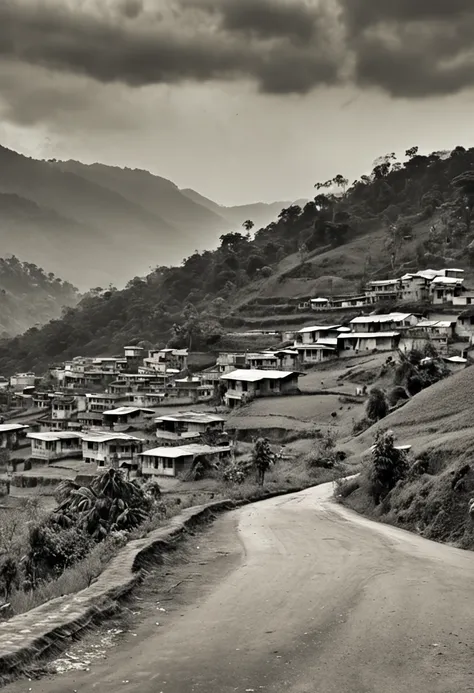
147	412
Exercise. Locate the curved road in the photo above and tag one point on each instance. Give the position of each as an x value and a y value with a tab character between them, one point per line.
318	600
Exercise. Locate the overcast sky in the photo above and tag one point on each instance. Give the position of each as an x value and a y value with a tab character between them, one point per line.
242	100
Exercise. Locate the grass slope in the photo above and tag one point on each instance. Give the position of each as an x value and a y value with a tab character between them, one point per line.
432	501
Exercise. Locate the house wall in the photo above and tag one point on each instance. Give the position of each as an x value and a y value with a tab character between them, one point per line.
56	449
465	327
63	411
163	466
408	343
442	295
352	347
103	453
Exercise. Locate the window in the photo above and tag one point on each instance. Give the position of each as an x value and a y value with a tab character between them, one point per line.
245	386
168	464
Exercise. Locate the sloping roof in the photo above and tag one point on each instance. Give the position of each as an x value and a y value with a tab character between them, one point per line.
382	282
254	375
455	359
319	299
105	437
187	380
368	335
123	411
387	317
450	281
316	347
49	436
190	416
327	341
318	328
8	427
185	450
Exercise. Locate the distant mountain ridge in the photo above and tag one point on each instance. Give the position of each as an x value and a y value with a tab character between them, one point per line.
97	225
261	213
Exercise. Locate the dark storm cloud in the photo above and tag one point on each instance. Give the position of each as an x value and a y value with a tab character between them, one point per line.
411	48
408	48
178	44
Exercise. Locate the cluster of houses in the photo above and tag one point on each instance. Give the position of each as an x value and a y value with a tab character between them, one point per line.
103	410
437	287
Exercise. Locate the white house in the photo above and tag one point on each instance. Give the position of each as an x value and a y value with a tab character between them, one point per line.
124	417
443	289
435	332
465	298
22	380
162	359
382	290
380	323
10	435
228	361
101	401
185	427
351	343
319	303
414	288
107	449
465	323
312	334
179	460
243	385
55	445
285	359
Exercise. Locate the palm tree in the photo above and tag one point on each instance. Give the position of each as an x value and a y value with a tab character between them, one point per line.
263	458
248	225
110	503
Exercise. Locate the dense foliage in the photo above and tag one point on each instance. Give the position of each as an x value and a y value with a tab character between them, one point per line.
389	465
187	304
29	296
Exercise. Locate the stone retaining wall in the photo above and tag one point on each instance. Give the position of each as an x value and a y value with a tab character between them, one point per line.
49	627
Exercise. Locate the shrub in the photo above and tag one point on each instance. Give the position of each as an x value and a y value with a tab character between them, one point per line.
377	405
388	466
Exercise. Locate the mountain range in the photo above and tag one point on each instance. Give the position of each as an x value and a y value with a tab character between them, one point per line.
97	225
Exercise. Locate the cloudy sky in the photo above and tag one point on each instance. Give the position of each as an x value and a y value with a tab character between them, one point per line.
242	100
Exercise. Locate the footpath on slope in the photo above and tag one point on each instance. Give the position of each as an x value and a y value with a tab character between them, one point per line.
48	628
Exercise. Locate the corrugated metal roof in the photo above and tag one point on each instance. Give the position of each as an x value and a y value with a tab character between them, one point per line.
105	436
184	451
54	435
191	416
318	328
253	375
6	427
387	317
368	335
123	411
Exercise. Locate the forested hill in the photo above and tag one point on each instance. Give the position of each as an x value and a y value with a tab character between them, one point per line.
29	297
188	304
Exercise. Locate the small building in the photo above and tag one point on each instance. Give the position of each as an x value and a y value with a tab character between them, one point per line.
228	361
64	408
42	400
352	301
185	427
122	418
351	343
101	401
382	290
133	357
55	445
382	322
179	460
284	359
312	334
146	399
21	380
443	289
243	385
162	359
316	353
11	435
465	298
465	323
319	304
90	419
110	449
414	288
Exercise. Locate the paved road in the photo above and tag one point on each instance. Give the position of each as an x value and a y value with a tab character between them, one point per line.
318	601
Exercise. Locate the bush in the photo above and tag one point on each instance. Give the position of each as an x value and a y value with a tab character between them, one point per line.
377	405
388	467
361	425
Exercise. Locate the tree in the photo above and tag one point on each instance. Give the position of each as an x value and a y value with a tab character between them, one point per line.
388	466
341	182
412	152
263	458
377	405
248	225
9	574
111	502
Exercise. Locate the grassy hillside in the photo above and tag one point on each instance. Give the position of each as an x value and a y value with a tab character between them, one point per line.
29	297
410	214
433	499
97	224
